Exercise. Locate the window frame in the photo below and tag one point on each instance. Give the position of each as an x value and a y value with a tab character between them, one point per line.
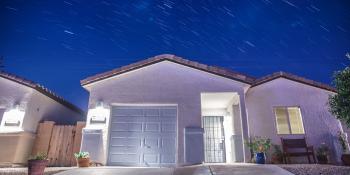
288	118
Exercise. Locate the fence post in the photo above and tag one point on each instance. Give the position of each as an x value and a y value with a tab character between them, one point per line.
77	140
43	136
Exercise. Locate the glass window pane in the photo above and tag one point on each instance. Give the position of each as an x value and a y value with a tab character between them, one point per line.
295	120
281	120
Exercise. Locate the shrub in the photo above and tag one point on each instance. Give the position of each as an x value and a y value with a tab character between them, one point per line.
322	150
343	141
38	156
259	144
81	155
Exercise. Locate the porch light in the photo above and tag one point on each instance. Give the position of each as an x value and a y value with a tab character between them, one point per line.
12	119
98	114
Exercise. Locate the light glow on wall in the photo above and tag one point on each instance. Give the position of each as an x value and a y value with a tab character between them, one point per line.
97	116
12	120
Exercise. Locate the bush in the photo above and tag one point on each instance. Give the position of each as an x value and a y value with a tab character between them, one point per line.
322	150
259	144
38	156
81	155
340	102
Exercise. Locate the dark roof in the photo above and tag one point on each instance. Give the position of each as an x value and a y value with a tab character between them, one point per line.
173	58
292	77
210	69
41	89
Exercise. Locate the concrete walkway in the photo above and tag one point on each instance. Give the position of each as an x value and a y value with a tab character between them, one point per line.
233	169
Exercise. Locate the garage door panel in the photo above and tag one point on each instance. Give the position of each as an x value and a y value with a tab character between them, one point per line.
169	159
120	111
152	143
151	158
168	111
125	158
152	119
115	119
152	127
126	141
124	149
147	135
168	143
126	134
168	127
151	112
126	126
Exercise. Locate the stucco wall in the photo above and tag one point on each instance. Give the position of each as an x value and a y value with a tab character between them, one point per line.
15	147
164	83
43	108
320	126
13	93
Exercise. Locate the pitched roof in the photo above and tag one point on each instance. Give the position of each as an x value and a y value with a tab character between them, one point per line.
210	69
292	77
41	89
172	58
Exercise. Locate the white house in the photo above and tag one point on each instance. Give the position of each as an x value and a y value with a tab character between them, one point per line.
169	111
23	104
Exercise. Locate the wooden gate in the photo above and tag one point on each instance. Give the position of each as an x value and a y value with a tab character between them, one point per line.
59	142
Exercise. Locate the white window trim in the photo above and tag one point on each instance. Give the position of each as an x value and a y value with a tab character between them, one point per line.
288	119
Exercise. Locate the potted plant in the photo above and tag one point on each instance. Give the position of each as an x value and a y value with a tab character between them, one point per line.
37	164
322	154
277	155
83	159
259	146
346	155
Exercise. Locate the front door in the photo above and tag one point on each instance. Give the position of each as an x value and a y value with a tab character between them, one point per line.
214	139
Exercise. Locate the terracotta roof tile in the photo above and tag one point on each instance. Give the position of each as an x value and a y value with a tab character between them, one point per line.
292	77
210	69
168	57
41	89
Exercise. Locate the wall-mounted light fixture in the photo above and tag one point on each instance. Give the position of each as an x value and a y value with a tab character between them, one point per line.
98	114
12	119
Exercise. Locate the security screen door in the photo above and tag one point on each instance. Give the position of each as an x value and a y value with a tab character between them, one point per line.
214	139
142	136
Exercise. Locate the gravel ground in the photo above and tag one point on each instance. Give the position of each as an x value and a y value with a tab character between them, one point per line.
23	171
316	169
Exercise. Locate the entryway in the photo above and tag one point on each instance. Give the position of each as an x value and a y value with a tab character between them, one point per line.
214	139
221	121
142	136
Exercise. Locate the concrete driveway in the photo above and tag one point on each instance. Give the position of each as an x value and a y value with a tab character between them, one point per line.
233	169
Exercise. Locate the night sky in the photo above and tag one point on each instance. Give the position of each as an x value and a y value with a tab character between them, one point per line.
58	43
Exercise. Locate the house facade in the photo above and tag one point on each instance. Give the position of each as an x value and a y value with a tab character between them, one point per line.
23	104
169	111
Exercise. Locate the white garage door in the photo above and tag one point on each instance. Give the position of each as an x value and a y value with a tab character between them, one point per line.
142	136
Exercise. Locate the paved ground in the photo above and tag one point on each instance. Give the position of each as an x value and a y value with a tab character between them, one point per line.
316	169
23	171
236	169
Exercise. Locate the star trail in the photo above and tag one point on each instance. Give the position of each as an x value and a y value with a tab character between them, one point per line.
58	43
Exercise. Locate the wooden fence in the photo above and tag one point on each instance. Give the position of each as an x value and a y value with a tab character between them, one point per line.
59	142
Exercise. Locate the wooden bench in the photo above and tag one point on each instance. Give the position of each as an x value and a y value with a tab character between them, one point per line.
296	148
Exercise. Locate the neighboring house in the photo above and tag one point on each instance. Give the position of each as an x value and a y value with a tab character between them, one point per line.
23	104
151	113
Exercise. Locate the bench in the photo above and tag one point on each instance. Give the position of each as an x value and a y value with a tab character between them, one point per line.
296	148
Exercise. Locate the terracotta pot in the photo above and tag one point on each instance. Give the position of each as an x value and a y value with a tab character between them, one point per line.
322	159
276	159
346	159
83	162
37	167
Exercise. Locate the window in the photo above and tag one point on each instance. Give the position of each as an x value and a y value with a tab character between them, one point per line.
289	120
